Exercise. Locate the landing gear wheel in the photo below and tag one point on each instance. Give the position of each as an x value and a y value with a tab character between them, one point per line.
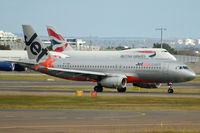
121	89
98	88
170	91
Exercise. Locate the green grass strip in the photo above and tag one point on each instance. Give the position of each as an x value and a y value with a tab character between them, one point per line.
99	102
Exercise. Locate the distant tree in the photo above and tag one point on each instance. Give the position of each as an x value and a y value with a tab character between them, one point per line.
19	40
3	47
121	48
109	48
165	46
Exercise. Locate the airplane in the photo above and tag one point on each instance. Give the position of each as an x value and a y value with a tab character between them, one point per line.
110	73
59	44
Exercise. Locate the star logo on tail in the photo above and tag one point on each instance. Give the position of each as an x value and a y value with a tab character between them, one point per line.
47	63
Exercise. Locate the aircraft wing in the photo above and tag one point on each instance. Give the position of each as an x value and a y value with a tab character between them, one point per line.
23	63
77	74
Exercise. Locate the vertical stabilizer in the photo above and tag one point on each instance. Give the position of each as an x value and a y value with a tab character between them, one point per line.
34	46
59	44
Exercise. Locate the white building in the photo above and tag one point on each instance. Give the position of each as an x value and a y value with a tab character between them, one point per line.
180	41
7	36
76	43
189	42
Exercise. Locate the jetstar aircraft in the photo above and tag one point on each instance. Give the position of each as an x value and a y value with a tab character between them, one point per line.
60	45
110	73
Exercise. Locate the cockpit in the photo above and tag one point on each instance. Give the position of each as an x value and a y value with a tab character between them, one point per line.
164	54
182	67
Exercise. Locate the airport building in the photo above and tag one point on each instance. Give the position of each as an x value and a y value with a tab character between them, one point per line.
7	36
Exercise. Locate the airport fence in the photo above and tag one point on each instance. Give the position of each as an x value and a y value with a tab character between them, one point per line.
185	59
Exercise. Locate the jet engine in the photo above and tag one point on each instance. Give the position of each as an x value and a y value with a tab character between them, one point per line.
19	68
7	66
147	85
113	82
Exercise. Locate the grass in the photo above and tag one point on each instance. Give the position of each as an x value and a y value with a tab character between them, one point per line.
99	102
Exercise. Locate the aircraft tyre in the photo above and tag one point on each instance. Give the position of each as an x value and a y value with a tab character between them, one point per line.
98	88
170	90
121	89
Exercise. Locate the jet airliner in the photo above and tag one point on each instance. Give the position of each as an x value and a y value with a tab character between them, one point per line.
59	44
111	73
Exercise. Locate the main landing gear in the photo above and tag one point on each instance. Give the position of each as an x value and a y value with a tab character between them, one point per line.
98	88
170	90
121	89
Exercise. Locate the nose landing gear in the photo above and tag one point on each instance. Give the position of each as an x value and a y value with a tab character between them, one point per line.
170	89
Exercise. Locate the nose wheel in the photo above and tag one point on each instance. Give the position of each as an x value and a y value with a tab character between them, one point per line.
170	89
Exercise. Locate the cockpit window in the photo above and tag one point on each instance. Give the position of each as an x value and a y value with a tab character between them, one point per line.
165	51
185	67
182	67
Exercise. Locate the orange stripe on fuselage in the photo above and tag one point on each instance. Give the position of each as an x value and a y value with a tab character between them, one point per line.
131	79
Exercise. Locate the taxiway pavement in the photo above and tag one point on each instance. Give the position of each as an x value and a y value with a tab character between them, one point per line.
28	120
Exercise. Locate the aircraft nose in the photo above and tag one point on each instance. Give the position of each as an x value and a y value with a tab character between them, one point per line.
172	57
191	75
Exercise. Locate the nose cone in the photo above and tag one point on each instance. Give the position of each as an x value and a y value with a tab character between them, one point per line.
190	76
171	57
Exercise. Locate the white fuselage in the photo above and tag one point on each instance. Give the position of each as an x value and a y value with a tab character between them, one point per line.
144	53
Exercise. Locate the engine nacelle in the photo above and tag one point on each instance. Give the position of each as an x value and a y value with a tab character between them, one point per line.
18	67
113	82
7	66
147	85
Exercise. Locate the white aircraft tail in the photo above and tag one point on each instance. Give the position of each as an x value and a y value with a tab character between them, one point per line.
58	43
34	46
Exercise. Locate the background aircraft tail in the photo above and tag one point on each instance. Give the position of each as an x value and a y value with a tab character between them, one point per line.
34	46
58	43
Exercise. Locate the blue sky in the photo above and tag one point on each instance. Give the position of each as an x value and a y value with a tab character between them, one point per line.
104	18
